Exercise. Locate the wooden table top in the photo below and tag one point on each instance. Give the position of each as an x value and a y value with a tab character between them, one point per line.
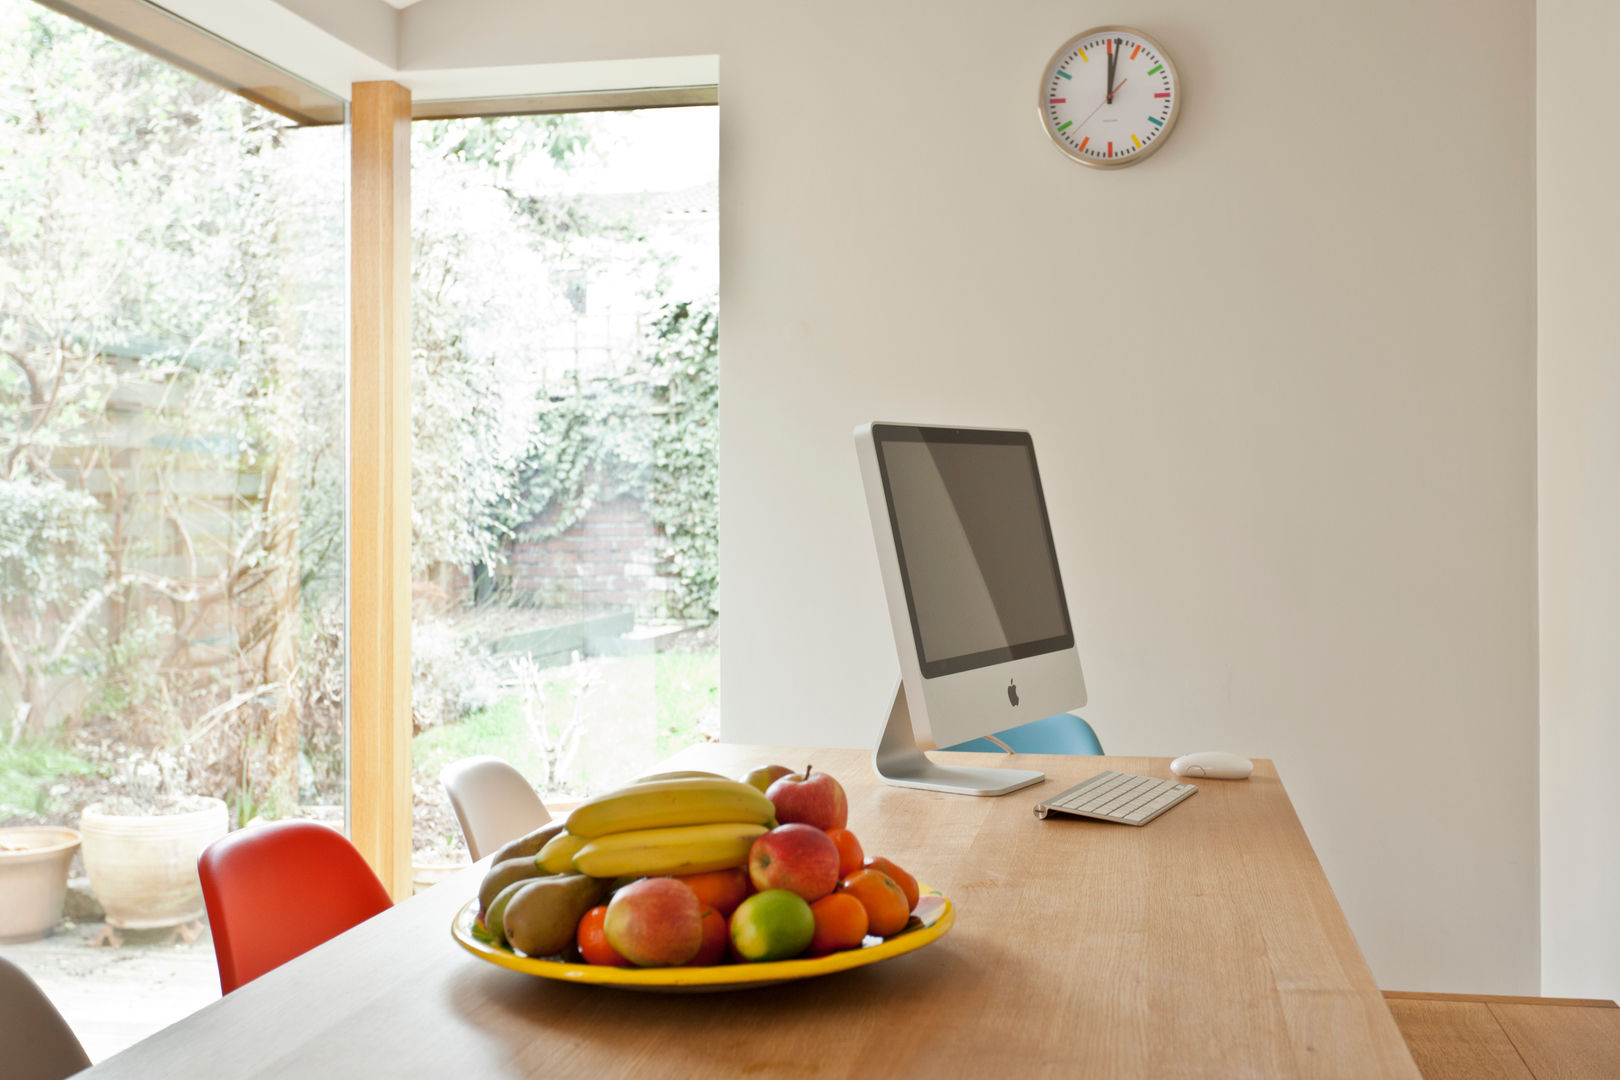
1206	943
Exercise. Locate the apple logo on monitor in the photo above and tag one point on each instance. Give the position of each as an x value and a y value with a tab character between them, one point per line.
1012	691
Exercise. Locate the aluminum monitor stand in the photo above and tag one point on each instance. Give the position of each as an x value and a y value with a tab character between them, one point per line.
900	761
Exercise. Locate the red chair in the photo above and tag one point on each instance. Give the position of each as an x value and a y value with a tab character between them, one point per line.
276	891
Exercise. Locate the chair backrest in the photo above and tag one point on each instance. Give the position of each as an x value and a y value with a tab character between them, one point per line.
1064	733
36	1042
276	891
493	802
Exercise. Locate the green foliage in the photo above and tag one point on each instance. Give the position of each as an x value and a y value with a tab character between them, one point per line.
171	374
651	431
686	464
506	142
50	544
172	387
683	688
490	227
533	457
27	770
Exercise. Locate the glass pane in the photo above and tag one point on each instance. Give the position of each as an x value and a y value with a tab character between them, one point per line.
171	498
565	454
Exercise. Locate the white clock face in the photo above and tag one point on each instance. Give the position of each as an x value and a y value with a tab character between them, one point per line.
1109	97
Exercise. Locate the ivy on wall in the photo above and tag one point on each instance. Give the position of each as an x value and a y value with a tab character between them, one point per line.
651	432
686	473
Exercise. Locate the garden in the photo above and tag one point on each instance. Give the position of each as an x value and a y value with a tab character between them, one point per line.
172	326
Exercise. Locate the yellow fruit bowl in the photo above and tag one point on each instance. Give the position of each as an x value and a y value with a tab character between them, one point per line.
929	922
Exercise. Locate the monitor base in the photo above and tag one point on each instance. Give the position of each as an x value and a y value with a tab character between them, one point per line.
900	761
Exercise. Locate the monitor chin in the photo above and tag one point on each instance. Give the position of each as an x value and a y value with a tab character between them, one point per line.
900	761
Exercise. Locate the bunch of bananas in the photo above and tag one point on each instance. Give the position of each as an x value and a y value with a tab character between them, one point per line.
672	823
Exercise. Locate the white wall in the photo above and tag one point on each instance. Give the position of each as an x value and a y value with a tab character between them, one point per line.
1579	260
1281	378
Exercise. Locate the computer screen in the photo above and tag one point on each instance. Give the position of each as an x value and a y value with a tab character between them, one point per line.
974	544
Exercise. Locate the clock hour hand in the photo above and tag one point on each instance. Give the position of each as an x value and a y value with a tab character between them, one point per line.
1113	61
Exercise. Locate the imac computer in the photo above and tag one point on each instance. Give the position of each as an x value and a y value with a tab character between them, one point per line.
975	598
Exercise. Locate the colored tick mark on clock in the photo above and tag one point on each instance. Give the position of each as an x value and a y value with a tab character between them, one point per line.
1155	69
1135	51
1110	149
1082	141
1066	125
1137	141
1057	101
1155	120
1083	57
1164	94
1066	75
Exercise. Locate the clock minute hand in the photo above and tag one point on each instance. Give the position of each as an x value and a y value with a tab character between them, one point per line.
1113	62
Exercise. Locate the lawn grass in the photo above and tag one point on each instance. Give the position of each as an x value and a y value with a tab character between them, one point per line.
634	711
27	772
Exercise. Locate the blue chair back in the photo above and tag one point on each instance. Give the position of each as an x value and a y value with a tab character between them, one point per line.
1064	733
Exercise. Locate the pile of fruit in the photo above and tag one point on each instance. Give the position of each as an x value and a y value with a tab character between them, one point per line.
694	869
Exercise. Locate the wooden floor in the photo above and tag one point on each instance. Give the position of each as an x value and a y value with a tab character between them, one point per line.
1474	1037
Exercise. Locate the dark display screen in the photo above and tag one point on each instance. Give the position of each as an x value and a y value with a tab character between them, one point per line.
975	546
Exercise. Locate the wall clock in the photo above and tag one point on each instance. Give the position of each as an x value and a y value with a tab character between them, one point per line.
1109	97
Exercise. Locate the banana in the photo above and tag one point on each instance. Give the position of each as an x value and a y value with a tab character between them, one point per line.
664	804
557	857
684	849
689	774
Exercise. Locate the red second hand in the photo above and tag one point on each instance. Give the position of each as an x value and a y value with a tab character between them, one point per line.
1104	101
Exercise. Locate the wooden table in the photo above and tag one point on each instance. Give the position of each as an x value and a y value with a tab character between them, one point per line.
1204	944
1483	1037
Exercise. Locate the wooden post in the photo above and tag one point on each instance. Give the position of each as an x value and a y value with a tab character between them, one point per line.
380	481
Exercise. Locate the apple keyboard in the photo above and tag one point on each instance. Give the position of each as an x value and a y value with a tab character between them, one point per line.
1116	796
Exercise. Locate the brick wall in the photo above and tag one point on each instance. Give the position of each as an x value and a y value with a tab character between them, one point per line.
608	559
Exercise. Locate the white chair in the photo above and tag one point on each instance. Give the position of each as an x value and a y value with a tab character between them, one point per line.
493	802
36	1042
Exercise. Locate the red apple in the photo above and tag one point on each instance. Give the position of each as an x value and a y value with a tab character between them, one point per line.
814	799
799	858
655	922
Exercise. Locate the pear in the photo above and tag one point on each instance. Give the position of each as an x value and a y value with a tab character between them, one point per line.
493	918
541	919
503	874
530	844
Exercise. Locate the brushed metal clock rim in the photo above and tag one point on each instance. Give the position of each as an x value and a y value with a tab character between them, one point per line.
1129	159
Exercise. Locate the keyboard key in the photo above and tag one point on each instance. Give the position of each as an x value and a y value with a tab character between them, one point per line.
1119	797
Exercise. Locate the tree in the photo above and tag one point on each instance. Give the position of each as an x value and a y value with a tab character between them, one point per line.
170	375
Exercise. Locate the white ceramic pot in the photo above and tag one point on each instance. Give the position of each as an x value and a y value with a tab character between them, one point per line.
144	869
33	879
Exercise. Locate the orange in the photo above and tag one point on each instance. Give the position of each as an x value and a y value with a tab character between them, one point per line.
593	942
722	890
841	923
849	851
884	901
716	936
907	883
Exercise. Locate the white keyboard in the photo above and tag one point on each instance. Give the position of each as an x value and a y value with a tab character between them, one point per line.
1116	796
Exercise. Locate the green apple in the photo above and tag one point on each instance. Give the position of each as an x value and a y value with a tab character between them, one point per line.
763	778
772	925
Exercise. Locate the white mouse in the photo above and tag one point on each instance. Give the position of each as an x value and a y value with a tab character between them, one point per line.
1214	765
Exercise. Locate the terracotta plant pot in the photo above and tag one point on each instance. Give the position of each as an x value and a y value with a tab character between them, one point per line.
33	879
144	869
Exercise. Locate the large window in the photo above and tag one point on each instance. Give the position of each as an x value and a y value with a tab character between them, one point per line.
171	494
565	437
